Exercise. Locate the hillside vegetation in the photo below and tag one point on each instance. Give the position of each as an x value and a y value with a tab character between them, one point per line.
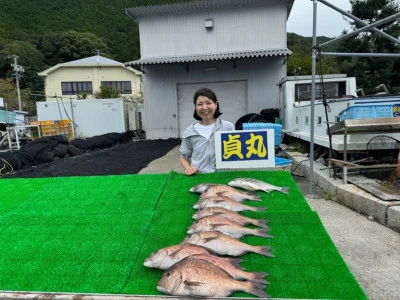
43	33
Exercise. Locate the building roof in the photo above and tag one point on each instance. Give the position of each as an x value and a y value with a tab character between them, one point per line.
210	57
199	6
92	61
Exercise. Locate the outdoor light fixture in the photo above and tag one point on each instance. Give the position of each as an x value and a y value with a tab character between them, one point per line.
209	24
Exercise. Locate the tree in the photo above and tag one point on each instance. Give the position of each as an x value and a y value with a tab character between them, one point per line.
372	71
107	92
29	58
74	45
300	62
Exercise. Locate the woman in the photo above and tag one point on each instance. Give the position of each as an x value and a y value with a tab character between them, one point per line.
198	146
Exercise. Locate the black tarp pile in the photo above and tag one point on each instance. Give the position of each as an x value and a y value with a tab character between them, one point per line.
265	116
48	148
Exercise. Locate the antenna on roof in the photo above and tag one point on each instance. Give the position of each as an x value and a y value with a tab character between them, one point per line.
98	55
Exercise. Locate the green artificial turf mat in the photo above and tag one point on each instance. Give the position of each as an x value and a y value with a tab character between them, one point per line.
76	234
92	235
177	192
306	262
13	191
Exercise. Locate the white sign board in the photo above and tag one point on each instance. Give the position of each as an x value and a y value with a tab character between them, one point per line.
245	149
1	102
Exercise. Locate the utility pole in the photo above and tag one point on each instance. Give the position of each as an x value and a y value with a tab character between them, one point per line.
17	70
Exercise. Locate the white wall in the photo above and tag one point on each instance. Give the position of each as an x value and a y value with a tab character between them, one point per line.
235	30
90	117
93	74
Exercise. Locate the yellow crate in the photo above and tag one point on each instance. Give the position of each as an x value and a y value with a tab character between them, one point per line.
64	126
64	122
34	123
49	126
49	122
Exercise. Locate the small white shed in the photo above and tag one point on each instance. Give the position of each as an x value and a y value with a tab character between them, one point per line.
93	117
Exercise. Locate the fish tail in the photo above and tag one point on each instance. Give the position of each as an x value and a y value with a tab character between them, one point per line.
260	274
256	277
284	190
262	233
263	250
262	224
256	289
252	196
235	262
252	208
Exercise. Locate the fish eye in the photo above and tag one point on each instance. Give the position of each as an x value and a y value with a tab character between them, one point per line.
168	273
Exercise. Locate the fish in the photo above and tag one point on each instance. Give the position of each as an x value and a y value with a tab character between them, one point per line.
226	190
223	244
200	187
235	272
164	258
200	278
230	215
251	184
225	202
225	226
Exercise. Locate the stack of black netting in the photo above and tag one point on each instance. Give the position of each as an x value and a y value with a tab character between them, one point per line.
48	148
265	116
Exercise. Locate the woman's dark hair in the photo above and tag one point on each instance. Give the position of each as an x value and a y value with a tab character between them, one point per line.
210	95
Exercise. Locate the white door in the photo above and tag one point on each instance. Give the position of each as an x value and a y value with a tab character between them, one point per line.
232	98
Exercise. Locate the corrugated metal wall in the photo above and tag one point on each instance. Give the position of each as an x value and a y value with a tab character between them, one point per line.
233	31
160	82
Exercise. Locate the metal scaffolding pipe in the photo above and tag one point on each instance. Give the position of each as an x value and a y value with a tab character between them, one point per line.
359	21
360	54
373	25
313	64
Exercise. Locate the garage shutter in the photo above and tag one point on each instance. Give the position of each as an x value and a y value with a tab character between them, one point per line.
232	97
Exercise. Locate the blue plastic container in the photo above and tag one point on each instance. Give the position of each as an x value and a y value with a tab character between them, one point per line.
366	112
282	162
276	127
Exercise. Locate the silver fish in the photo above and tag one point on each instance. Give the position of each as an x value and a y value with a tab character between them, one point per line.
226	190
200	278
164	258
225	202
225	226
230	215
251	184
223	244
200	187
232	270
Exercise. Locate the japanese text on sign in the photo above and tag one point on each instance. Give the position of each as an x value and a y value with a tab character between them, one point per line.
245	149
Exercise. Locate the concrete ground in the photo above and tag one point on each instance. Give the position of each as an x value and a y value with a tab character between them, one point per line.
371	250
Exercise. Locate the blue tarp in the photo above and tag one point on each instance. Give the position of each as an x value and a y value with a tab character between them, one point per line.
7	117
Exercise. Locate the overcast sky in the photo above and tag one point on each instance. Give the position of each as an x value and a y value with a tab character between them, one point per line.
330	23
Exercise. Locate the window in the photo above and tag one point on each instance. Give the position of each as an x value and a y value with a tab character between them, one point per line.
332	90
319	120
124	87
74	88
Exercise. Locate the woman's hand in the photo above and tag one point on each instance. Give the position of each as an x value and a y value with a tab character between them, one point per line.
191	170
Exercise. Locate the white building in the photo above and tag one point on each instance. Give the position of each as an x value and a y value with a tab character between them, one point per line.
236	48
83	78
